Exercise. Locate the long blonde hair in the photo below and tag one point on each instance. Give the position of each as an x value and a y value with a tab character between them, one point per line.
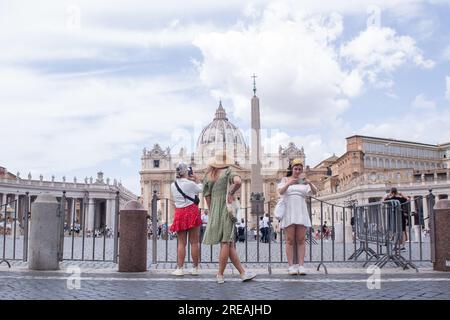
213	173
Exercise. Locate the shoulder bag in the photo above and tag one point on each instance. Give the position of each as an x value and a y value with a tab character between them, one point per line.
196	200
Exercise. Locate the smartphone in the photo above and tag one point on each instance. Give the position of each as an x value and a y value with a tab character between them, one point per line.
190	172
301	180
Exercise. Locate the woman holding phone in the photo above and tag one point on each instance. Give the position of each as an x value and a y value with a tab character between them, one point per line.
296	187
187	218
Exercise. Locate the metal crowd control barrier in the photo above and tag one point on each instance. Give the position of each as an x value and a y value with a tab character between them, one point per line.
381	223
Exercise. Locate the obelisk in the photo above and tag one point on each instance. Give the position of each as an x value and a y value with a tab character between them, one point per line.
256	183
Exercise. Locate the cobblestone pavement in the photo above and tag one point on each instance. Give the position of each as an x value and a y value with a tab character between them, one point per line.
102	249
99	281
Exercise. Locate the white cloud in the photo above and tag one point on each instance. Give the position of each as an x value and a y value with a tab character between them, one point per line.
294	57
412	127
301	78
377	52
447	92
61	122
421	102
80	123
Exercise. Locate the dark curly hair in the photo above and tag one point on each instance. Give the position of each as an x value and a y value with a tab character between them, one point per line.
290	170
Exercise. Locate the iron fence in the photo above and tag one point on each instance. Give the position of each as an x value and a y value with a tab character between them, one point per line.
76	243
338	234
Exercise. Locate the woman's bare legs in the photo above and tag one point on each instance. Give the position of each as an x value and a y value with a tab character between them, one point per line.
223	256
181	248
194	234
235	258
228	250
290	238
300	235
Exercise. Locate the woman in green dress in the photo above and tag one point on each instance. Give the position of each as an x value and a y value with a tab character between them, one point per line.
220	227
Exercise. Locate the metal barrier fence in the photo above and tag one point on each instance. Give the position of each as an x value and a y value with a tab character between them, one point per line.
381	223
76	244
14	230
94	243
334	236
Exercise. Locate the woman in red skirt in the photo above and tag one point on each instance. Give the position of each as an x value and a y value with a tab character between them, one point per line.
187	216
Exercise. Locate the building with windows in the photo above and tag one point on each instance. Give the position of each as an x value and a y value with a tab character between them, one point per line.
371	166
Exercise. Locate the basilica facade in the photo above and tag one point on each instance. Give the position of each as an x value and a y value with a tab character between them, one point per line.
158	165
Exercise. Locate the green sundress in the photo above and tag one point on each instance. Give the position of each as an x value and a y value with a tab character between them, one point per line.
220	228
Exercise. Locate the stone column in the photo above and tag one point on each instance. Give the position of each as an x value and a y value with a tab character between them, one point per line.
90	215
19	210
16	204
44	234
168	194
339	232
415	223
109	212
74	212
248	205
70	212
143	186
4	198
245	200
133	238
97	214
440	237
112	224
425	213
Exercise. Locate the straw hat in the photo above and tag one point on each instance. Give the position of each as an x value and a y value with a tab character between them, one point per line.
220	160
296	162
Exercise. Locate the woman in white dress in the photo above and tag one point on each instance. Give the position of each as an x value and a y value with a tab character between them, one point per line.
295	187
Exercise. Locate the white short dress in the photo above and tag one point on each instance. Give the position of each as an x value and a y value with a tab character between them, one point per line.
296	209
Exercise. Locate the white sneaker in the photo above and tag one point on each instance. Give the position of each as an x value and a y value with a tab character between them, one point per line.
293	270
220	279
178	272
247	276
301	270
194	271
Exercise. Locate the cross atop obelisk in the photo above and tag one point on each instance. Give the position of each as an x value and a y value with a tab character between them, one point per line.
254	84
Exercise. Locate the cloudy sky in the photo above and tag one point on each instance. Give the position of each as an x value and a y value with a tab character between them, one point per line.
86	85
